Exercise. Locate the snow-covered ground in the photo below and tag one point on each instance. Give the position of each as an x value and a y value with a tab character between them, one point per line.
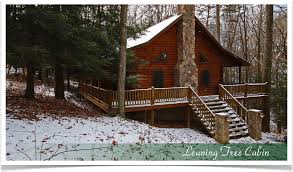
48	137
25	138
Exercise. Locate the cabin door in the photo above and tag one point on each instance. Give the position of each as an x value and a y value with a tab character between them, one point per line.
158	79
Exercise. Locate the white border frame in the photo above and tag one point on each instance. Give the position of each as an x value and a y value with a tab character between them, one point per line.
3	86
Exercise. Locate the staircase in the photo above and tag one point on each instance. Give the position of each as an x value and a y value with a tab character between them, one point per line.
238	127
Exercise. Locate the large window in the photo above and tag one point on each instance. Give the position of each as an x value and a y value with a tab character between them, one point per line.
205	77
158	79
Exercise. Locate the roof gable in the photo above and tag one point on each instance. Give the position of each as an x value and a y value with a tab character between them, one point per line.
158	28
152	32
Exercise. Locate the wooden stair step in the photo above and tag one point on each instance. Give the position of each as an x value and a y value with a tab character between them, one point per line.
210	97
238	134
231	116
227	109
236	124
235	120
211	100
218	106
238	128
214	103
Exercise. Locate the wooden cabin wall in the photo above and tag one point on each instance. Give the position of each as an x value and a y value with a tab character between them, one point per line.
151	52
213	65
166	41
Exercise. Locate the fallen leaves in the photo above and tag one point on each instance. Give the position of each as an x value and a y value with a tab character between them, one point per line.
43	105
114	142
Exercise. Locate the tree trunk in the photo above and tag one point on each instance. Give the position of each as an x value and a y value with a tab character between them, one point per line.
40	75
268	64
59	82
218	23
45	76
122	64
259	72
208	16
68	80
245	45
29	91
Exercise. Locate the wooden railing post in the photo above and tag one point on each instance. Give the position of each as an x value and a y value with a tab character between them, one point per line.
99	94
245	90
222	128
189	93
188	117
254	123
110	99
220	91
267	88
152	95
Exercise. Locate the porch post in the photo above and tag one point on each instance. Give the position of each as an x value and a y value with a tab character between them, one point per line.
222	128
153	113
188	117
254	123
239	77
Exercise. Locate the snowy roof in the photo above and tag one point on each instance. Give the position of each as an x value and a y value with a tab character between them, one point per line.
156	29
151	32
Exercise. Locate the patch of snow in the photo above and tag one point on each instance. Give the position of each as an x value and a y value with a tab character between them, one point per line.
12	70
151	32
27	137
46	91
21	134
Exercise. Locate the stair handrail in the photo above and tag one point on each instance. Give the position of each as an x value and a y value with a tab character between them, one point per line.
210	118
198	97
225	95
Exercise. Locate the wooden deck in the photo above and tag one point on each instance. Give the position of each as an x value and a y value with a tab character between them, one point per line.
159	98
204	107
138	99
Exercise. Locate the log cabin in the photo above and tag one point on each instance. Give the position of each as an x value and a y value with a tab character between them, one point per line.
182	81
160	47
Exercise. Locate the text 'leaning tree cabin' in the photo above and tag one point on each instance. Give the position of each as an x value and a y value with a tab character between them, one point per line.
182	82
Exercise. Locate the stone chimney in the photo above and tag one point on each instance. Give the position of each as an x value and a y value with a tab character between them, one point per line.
186	69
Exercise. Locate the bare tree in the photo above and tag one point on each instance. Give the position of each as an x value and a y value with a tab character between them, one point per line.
259	72
218	23
208	16
122	64
268	63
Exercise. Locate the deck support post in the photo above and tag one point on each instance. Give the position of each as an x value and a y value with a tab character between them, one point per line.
153	113
255	123
222	128
188	117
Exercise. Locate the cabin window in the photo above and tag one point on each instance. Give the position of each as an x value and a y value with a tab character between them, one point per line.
158	79
205	77
203	57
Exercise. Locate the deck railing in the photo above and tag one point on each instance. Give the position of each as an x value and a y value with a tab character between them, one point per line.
137	96
97	92
244	90
225	95
152	96
206	115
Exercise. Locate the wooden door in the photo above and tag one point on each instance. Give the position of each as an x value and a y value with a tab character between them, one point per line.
158	79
